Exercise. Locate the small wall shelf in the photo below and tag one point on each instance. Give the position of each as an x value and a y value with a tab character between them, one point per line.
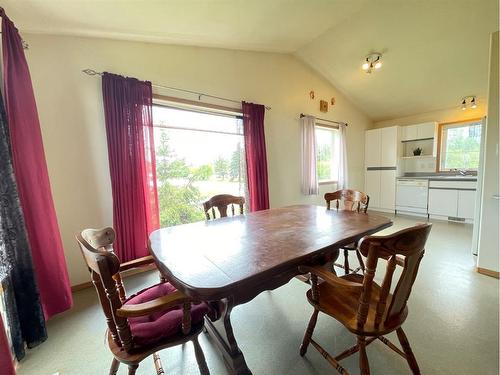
418	140
417	157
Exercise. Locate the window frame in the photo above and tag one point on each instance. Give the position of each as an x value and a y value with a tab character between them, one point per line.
439	152
203	108
331	128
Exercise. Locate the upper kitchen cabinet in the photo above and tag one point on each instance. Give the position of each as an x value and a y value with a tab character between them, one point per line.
381	147
372	147
389	147
419	131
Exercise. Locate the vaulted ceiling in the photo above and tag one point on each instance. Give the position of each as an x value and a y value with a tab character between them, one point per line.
434	51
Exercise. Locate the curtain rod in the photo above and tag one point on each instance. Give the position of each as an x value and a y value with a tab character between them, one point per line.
92	72
324	119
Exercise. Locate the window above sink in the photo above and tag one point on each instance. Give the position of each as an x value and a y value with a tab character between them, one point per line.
458	146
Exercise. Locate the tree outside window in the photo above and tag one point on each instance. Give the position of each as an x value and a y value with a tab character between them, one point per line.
198	155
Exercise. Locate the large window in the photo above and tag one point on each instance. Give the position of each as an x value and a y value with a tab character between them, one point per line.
459	148
327	154
198	155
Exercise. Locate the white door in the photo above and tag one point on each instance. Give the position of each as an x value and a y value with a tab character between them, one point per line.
443	202
389	147
426	130
372	187
372	148
466	203
388	189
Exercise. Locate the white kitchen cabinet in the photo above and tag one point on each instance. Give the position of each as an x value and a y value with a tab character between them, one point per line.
387	189
389	147
372	147
372	187
443	202
466	203
418	131
409	133
426	130
381	161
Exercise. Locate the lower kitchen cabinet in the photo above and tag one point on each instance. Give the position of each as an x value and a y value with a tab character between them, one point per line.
466	203
388	189
452	199
380	185
443	202
372	187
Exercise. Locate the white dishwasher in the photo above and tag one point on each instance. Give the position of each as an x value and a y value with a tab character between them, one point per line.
411	195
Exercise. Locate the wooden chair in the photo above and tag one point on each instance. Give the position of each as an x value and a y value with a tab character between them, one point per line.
351	200
222	203
361	305
155	318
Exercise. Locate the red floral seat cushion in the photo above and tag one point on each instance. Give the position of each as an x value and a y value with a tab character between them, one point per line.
149	329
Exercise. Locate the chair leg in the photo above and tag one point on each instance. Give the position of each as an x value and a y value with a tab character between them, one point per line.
360	260
114	367
132	369
346	261
200	357
364	367
309	332
410	357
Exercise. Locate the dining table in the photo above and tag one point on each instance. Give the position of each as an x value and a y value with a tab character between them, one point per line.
229	261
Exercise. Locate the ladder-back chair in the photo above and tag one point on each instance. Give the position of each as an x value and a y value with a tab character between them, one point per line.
155	318
351	200
366	309
222	202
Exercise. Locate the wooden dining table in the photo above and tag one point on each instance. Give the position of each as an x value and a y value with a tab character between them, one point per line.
229	261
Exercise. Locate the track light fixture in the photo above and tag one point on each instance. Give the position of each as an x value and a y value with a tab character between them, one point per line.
469	101
372	61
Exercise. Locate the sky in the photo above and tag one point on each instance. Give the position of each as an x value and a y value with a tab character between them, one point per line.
195	146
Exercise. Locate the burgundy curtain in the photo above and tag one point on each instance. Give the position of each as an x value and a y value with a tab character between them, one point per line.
30	170
128	107
255	149
6	360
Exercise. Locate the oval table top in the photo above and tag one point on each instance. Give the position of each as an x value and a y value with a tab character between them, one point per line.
215	258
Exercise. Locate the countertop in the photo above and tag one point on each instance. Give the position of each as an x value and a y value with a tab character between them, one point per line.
439	178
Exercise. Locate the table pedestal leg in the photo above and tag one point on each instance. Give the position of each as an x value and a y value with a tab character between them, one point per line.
222	333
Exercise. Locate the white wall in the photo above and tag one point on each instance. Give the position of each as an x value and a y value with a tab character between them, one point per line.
488	255
72	120
441	116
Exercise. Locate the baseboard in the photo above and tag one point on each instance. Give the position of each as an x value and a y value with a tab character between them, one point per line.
135	271
487	272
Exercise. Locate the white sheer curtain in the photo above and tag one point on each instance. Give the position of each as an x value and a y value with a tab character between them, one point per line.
342	180
309	174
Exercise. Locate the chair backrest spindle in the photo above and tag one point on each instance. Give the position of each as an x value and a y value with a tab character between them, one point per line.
222	202
409	243
97	250
352	200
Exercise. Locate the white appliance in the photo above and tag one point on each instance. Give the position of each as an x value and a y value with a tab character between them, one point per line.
411	195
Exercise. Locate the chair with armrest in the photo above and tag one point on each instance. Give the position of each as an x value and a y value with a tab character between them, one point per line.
222	202
351	200
153	319
365	308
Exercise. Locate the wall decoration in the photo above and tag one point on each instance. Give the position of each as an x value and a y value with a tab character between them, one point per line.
323	106
311	94
332	101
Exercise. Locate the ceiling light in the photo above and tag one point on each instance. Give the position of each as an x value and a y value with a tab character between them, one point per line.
373	60
471	100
